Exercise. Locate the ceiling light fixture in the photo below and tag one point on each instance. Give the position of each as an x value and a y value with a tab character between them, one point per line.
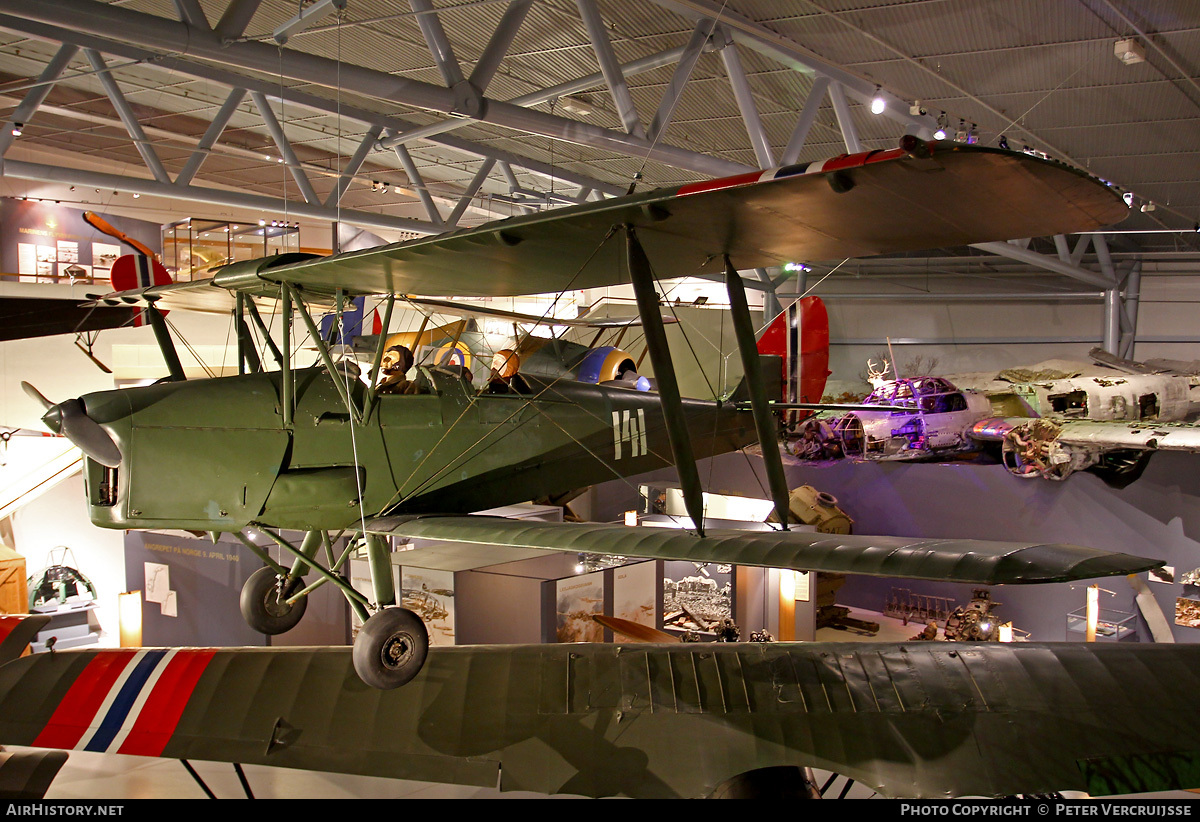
878	104
942	122
16	129
1129	51
573	105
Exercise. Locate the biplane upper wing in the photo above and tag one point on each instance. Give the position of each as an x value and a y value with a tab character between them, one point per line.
922	195
979	562
917	719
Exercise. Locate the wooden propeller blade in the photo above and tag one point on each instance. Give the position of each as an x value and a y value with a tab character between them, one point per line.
632	630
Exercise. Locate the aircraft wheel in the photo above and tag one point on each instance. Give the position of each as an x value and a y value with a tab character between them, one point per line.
263	607
779	782
391	648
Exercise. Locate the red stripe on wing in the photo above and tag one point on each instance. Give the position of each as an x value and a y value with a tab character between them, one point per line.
160	715
83	699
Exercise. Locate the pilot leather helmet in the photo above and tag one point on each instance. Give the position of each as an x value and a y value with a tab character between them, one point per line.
505	363
397	360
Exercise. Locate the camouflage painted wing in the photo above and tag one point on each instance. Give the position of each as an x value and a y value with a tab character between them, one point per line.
979	562
857	205
911	719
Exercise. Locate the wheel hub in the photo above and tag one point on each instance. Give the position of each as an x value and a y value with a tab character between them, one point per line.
397	650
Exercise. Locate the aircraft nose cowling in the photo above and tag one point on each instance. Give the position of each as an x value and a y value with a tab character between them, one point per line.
71	420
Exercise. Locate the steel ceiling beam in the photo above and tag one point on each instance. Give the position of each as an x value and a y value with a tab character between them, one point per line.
683	72
285	147
845	122
1045	261
24	111
211	136
272	90
128	118
159	33
758	37
745	103
418	183
610	68
545	95
237	16
804	123
499	44
39	172
365	146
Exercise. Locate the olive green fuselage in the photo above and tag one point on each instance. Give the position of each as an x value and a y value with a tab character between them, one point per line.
215	454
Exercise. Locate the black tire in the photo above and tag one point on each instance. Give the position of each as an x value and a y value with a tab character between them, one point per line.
779	782
391	648
261	606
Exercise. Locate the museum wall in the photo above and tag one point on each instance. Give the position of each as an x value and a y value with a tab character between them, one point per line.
205	580
502	604
1157	516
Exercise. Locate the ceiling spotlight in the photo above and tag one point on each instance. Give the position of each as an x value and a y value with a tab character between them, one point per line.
972	135
1128	198
136	195
942	122
375	185
961	134
262	222
1147	206
878	104
1003	142
915	109
16	129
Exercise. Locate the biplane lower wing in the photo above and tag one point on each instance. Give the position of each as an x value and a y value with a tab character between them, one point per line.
913	719
979	562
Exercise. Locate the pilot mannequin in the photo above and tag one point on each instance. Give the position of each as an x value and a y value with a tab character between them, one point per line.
504	378
397	361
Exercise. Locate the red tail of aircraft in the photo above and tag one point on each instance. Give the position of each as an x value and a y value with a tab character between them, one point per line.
800	335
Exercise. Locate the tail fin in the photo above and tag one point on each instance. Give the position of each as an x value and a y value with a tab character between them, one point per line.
772	372
800	336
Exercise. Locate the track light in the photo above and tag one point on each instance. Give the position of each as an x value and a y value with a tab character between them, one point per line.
961	135
942	122
878	104
972	135
16	129
1128	198
1147	207
1003	142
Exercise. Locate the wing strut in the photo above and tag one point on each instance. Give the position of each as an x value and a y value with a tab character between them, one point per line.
664	372
764	421
165	345
247	352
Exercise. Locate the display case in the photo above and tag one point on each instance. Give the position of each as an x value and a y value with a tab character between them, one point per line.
1111	625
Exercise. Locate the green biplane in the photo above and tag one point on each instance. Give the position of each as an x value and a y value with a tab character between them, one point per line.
316	450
